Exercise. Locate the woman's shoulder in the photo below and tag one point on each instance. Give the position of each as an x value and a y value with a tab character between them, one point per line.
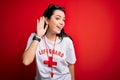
67	39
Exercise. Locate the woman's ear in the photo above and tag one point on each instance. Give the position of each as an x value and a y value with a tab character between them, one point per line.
46	20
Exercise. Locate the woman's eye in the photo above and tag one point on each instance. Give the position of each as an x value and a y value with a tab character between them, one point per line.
60	19
57	18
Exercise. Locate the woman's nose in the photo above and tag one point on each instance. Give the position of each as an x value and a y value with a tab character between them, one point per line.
62	23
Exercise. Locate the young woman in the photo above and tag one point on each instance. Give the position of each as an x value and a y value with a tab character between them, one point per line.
51	46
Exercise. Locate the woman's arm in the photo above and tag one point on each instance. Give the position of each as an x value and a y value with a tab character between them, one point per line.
71	68
29	54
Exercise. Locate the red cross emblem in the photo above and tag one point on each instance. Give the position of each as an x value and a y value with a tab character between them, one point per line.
50	62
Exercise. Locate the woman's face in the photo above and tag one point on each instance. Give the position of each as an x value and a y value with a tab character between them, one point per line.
56	22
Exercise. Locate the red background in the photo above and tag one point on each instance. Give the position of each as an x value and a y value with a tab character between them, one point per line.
94	26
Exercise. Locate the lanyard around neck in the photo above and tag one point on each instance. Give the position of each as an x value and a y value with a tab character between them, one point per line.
47	47
50	61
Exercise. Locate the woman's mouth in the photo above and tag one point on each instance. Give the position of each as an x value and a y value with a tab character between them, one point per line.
59	27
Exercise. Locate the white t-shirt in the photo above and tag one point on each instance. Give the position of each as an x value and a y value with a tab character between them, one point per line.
63	54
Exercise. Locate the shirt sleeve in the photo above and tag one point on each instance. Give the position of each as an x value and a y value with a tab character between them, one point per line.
30	39
70	54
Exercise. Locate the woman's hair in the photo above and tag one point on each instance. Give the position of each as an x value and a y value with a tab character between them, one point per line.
49	12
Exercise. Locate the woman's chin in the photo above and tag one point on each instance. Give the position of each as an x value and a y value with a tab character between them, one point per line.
58	32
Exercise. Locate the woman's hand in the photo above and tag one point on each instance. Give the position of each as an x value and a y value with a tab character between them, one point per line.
40	26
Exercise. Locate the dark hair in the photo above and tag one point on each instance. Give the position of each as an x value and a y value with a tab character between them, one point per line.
49	12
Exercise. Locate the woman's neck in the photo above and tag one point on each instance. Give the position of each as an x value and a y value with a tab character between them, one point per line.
51	36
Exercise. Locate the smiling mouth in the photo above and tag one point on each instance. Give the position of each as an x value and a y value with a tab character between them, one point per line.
59	27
